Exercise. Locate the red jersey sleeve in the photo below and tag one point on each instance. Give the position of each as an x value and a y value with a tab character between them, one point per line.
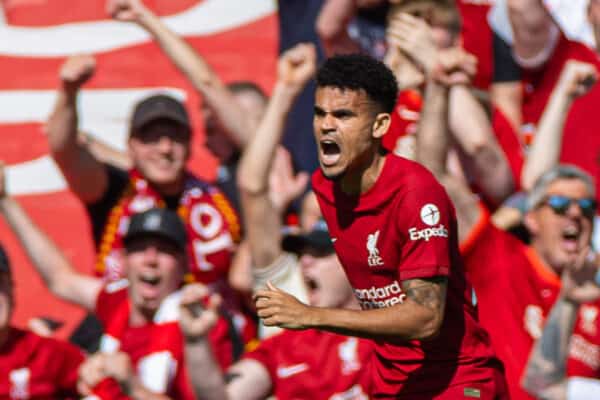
264	355
69	357
427	227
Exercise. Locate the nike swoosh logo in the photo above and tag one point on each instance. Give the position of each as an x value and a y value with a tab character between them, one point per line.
333	240
286	372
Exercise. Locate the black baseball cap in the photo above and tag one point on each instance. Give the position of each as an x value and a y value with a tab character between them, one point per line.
160	106
316	241
157	222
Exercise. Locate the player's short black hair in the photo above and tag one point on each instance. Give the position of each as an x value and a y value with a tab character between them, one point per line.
360	72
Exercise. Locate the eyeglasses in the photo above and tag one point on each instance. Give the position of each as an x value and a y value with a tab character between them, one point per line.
560	204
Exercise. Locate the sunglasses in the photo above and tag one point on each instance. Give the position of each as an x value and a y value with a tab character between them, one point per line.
560	204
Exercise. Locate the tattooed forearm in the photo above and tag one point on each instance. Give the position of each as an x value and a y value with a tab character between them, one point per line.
430	293
547	362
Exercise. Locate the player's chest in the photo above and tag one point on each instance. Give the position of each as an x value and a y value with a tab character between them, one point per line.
368	244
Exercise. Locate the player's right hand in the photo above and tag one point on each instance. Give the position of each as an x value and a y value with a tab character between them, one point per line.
198	311
125	10
577	78
297	65
77	70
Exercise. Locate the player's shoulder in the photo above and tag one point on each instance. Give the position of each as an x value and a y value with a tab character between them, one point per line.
410	175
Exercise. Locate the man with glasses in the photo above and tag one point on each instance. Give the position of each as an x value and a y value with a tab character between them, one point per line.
515	284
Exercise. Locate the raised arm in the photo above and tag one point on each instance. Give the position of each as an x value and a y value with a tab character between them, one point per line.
534	31
86	176
575	80
247	379
545	373
202	77
433	138
262	210
56	271
474	135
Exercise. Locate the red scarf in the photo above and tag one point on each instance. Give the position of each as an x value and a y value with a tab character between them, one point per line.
212	227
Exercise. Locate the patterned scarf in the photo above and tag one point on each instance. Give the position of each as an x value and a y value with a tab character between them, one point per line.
212	226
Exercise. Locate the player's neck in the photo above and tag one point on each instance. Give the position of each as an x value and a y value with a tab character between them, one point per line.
362	180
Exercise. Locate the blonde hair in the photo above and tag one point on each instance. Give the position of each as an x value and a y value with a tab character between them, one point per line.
436	12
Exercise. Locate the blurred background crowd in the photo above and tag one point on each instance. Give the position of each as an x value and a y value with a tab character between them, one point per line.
156	171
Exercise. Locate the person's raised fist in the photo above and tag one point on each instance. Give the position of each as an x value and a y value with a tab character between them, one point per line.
125	10
198	311
77	70
297	65
577	78
454	67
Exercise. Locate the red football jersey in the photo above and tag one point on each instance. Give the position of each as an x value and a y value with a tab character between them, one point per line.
579	146
403	228
314	364
156	349
34	367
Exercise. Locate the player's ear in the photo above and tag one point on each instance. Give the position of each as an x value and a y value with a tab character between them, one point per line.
381	125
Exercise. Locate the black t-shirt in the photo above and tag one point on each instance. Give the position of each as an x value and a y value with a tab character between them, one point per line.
99	211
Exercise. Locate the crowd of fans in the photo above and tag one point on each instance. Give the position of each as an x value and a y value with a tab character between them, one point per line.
507	128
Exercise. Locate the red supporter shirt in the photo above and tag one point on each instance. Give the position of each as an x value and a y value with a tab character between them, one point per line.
156	349
584	349
404	228
314	364
34	367
476	37
580	146
515	292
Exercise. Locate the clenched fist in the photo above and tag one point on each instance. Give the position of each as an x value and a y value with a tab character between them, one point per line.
577	78
297	65
126	10
454	66
77	70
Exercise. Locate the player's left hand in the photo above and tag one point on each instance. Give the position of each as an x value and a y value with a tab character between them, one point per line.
278	308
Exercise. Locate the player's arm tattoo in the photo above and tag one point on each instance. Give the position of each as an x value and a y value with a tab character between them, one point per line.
430	293
546	367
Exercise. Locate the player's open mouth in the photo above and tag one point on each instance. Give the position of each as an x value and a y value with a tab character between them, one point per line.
330	152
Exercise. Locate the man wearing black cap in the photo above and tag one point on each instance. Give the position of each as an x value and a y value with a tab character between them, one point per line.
140	313
297	364
159	146
32	366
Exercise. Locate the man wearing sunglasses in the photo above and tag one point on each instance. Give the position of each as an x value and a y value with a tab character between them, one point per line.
515	284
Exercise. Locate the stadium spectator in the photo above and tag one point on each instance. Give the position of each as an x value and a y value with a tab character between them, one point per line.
552	356
139	314
231	112
542	50
300	364
415	298
515	285
263	202
159	144
413	45
31	366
